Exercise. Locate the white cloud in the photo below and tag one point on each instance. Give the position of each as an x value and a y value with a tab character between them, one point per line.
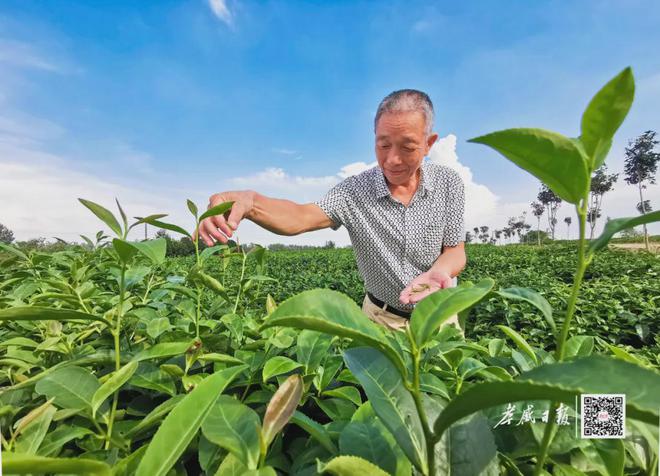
285	151
355	168
24	55
220	10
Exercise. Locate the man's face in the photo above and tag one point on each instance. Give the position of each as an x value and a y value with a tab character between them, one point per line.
401	145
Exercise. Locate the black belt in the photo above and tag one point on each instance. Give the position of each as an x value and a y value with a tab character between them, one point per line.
388	308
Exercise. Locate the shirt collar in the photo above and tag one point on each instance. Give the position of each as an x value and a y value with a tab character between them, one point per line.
425	182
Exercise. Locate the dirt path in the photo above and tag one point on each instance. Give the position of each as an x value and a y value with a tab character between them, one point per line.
655	247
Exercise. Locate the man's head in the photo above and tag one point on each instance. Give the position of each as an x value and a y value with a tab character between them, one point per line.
403	127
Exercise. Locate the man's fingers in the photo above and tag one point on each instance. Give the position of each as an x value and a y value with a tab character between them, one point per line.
204	235
235	216
219	221
211	230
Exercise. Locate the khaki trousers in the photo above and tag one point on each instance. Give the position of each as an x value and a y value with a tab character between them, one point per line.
394	322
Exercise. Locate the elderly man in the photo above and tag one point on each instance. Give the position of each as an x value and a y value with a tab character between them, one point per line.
404	217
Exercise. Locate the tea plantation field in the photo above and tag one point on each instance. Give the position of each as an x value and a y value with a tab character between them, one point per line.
620	300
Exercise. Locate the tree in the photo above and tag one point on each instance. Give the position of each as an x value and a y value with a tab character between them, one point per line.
640	167
484	234
6	235
568	222
551	202
601	183
498	235
644	207
537	211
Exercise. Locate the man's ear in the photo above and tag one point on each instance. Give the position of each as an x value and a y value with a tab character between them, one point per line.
431	140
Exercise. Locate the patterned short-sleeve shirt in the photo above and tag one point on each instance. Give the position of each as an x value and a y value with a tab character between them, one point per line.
393	243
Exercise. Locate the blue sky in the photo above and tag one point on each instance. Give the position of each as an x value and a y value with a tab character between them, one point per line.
158	101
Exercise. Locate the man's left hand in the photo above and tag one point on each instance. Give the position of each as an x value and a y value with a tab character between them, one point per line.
425	284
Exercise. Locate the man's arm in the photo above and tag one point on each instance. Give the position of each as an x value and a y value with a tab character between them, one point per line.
452	260
279	216
439	276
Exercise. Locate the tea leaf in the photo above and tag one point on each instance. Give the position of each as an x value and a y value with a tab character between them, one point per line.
367	441
604	115
114	383
124	249
311	348
122	214
103	214
181	425
155	250
391	401
155	416
350	394
520	342
220	209
350	466
165	226
14	463
532	297
164	350
13	250
192	207
234	427
334	313
563	382
61	435
620	224
436	308
36	313
552	158
277	366
141	220
316	430
281	407
612	453
72	387
33	433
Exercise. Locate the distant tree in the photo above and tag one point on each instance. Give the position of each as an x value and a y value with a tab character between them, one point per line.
468	237
640	167
537	211
537	235
498	235
551	202
601	183
162	234
644	207
568	222
329	244
484	234
476	231
6	235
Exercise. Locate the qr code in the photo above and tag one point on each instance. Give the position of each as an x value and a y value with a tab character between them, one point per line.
603	416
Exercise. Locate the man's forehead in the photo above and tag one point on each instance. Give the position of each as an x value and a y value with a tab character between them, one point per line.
407	137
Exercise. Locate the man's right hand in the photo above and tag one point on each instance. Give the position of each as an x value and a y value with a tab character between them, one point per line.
221	227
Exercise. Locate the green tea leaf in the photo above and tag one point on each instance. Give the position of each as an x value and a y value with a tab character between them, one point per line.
532	297
122	214
192	207
367	441
277	366
579	346
520	341
350	466
316	430
281	407
164	350
114	383
552	158
350	394
620	224
72	387
604	115
220	209
33	433
181	425
61	435
334	313
234	427
391	401
124	249
14	463
311	348
103	214
155	250
165	226
155	416
612	453
36	313
436	308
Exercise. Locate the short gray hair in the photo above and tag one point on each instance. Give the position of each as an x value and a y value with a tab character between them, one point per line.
407	100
